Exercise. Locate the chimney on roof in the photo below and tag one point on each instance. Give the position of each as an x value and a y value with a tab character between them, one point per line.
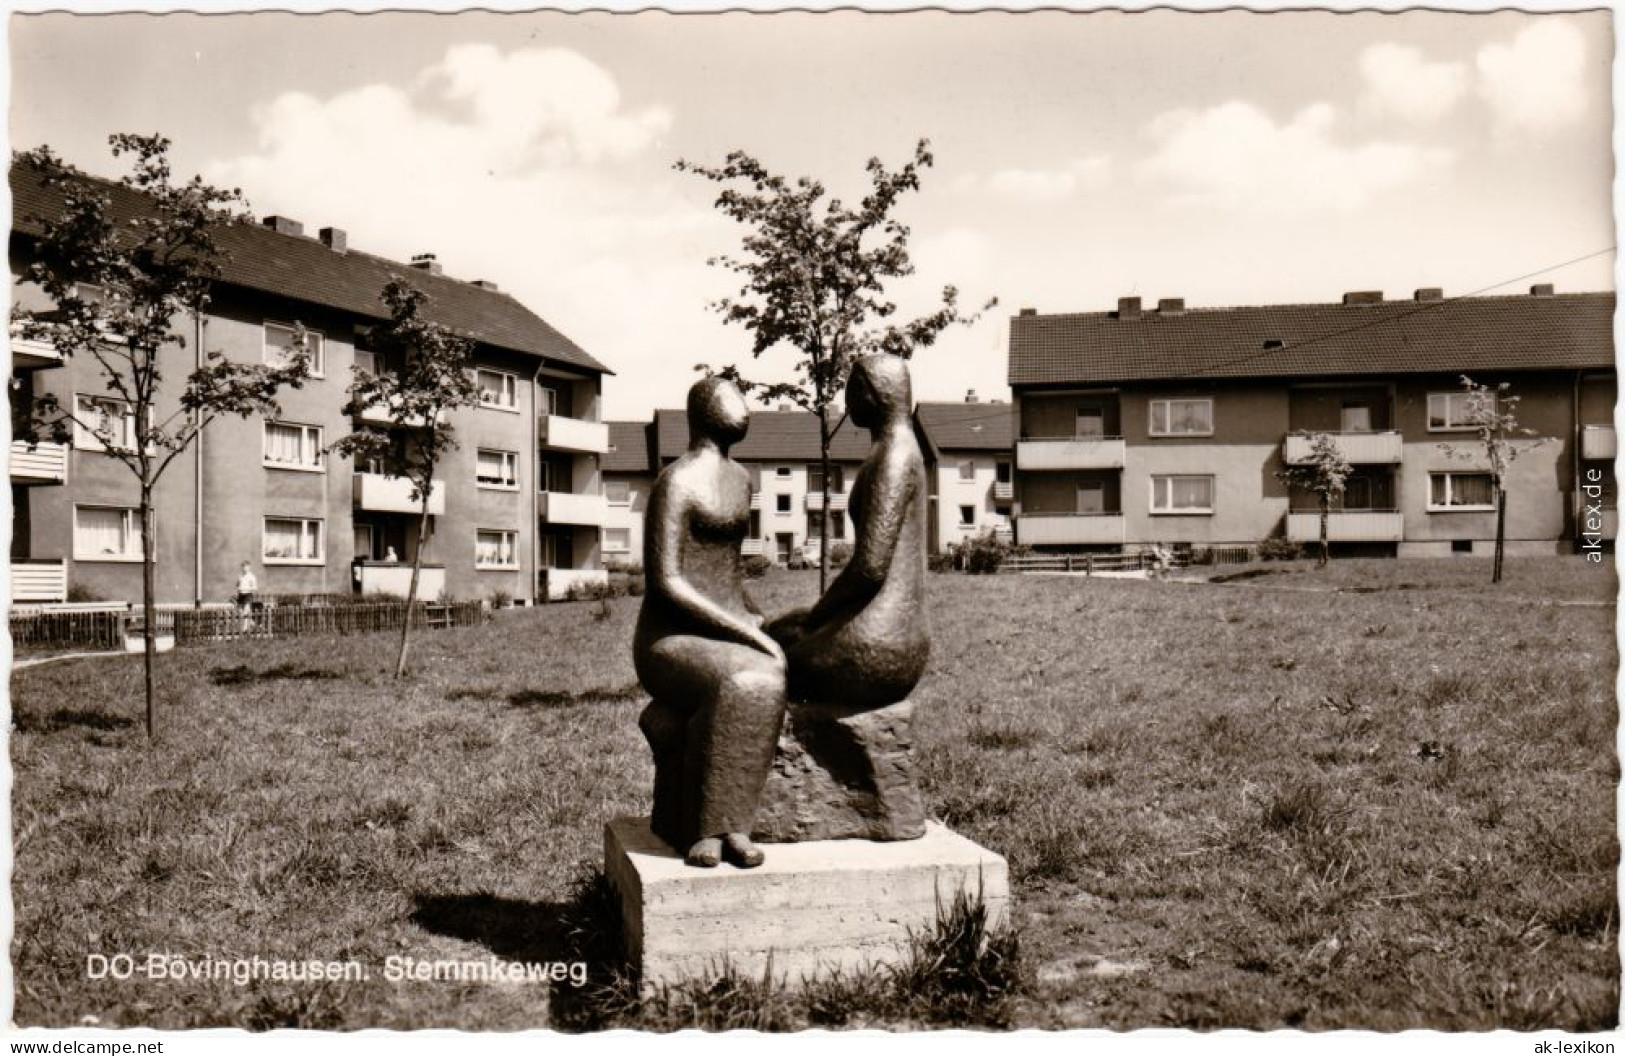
1171	306
1544	289
283	225
1430	293
1363	297
486	284
335	239
1029	311
1128	307
970	396
427	262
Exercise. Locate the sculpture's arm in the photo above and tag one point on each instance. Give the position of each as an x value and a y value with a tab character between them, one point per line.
668	515
889	499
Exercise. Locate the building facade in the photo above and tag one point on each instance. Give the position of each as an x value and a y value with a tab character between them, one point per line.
970	469
517	509
1140	426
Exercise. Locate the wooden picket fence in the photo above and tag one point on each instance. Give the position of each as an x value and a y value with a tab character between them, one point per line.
99	629
1088	564
107	628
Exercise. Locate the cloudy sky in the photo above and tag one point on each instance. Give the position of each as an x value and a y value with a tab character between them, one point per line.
1228	158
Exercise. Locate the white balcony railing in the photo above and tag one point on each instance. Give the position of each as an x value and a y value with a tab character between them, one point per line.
45	464
1347	526
1358	448
33	355
572	434
755	500
381	494
39	580
556	582
753	547
815	500
1003	490
1080	452
396	577
1047	529
563	507
382	413
1597	442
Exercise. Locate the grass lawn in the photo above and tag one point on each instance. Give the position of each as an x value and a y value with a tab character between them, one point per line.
1226	804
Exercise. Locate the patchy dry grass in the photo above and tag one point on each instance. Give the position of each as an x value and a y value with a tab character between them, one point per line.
1223	805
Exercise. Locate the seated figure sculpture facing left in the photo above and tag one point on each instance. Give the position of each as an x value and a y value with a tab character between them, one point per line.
718	681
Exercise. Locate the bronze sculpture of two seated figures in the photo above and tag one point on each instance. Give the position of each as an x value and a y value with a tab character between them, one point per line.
798	728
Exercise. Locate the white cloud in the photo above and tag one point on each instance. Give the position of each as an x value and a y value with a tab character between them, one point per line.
1235	156
1401	81
1535	82
1043	185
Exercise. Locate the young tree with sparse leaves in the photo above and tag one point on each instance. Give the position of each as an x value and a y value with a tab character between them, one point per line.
1491	413
118	288
1326	473
425	372
815	275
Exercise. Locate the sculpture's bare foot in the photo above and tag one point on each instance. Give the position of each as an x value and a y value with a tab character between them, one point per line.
737	848
706	853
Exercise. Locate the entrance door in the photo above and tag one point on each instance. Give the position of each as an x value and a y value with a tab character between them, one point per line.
785	543
1091	496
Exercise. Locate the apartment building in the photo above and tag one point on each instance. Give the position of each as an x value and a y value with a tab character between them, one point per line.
970	468
517	509
629	474
1142	425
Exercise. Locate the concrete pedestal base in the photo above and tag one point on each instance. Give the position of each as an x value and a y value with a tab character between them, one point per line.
812	908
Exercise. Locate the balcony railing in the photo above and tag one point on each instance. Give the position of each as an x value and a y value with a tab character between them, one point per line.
572	434
33	355
381	494
753	547
383	413
395	578
1385	448
815	500
755	500
39	580
1597	442
563	507
45	464
1061	529
1347	526
556	582
1003	490
1075	452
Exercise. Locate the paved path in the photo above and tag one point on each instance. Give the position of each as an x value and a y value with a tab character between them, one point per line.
18	665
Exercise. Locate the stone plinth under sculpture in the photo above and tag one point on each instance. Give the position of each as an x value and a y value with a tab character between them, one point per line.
795	732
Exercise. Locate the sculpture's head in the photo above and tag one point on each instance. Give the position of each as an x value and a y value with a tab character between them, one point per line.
877	389
717	412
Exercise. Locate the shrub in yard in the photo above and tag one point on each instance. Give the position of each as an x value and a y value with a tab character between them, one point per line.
756	566
840	554
985	554
501	599
1279	548
946	560
78	592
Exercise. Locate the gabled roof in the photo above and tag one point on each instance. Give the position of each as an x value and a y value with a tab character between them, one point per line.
966	426
774	436
1464	335
628	448
305	269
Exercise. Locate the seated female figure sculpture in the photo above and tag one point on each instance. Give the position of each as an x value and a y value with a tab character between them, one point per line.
717	680
865	643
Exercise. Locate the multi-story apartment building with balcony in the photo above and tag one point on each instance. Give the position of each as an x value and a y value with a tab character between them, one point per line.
967	448
1136	426
629	474
517	509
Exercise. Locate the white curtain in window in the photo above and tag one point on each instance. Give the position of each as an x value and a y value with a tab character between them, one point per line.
106	533
495	467
293	540
284	443
1191	492
617	539
1189	416
1472	489
618	492
494	548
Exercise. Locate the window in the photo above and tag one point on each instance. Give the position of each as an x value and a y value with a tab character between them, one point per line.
837	525
279	347
498	389
783	472
547	400
1001	472
367	362
497	469
967	470
106	533
1448	411
292	541
1091	421
781	503
1461	491
618	492
1182	417
102	422
290	446
1181	494
967	516
1091	497
617	540
815	479
496	549
1356	418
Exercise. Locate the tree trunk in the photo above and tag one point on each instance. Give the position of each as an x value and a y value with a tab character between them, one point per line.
823	514
1325	529
1500	531
412	587
149	607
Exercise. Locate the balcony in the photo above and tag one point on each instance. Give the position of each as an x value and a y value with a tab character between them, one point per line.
1069	529
39	580
1077	452
563	507
381	494
755	500
1597	443
1004	490
1347	526
45	464
33	355
572	434
394	578
753	547
384	413
815	500
1357	448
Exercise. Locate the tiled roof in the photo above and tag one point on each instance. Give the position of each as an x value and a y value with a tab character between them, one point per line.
966	426
305	269
1562	331
774	436
628	448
